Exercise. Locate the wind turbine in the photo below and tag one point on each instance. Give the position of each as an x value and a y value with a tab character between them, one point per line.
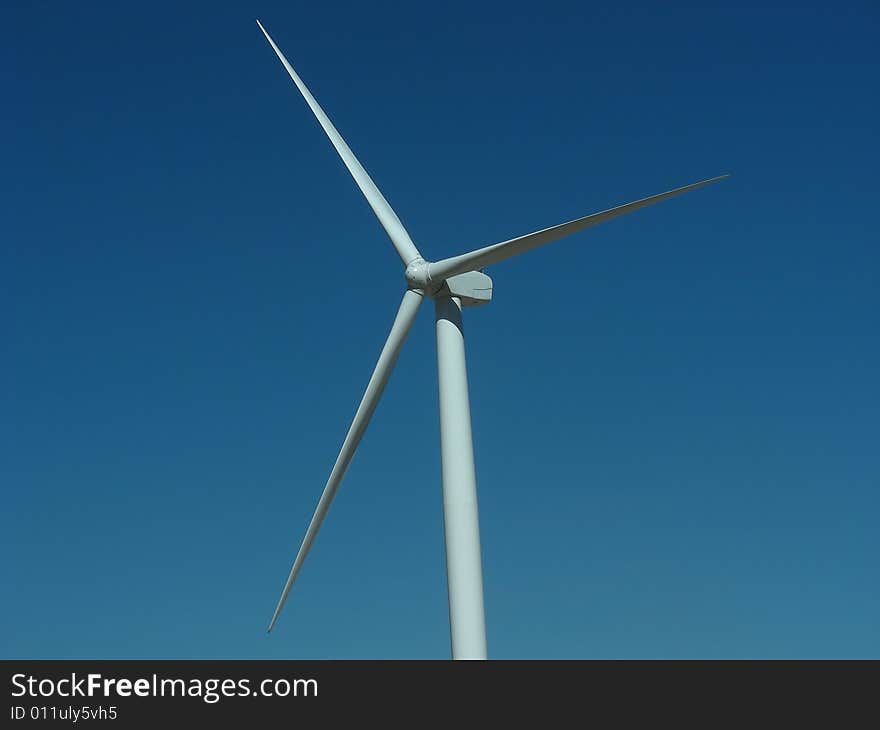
453	284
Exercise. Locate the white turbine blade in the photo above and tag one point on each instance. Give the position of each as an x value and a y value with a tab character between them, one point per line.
441	270
406	249
399	330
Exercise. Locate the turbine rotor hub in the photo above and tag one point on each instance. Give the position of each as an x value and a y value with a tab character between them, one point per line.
417	275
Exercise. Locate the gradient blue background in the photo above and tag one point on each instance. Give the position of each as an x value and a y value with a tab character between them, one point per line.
676	414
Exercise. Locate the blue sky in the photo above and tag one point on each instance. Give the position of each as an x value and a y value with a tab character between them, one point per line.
675	414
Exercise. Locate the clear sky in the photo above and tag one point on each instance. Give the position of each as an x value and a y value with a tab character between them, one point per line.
675	414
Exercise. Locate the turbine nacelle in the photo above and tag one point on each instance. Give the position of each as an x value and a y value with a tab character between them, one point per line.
471	288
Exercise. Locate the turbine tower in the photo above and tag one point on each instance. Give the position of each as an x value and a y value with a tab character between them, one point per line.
453	284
